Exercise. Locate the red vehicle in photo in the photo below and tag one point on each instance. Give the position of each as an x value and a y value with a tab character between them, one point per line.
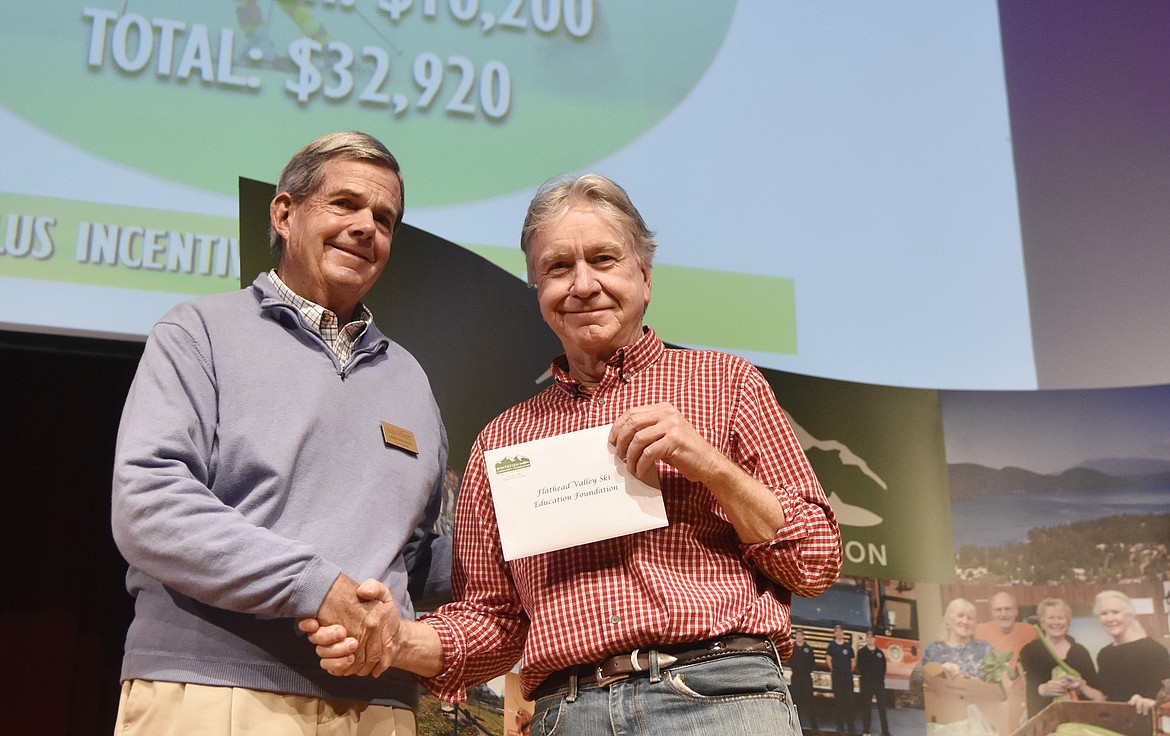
860	605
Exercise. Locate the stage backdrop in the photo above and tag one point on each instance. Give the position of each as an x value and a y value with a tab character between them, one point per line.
931	195
939	229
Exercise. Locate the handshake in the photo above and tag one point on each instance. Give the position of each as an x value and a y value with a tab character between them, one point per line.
357	630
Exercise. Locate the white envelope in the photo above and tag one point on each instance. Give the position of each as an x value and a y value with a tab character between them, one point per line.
567	490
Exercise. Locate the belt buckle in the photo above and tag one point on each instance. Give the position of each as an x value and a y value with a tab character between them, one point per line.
602	681
664	661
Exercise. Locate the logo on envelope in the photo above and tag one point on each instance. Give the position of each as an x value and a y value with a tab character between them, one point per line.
512	464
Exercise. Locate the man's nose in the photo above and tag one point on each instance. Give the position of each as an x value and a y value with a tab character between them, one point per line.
584	280
362	224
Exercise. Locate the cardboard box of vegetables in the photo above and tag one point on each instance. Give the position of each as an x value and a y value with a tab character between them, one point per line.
992	706
1087	718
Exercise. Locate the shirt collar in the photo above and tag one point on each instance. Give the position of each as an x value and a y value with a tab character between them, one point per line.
312	311
341	339
627	362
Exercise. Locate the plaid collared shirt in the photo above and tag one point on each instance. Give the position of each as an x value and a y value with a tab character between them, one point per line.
689	581
340	341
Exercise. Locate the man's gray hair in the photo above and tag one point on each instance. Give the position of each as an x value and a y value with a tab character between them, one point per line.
557	195
305	171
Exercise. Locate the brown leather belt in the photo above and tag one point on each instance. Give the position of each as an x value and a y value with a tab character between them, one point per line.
637	662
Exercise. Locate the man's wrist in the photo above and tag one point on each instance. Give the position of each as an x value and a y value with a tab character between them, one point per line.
417	648
343	606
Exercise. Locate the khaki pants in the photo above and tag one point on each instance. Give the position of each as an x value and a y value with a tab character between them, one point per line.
175	709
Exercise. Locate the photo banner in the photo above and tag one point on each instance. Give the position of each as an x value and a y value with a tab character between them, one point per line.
878	451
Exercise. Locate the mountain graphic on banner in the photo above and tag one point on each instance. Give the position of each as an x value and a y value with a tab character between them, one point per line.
847	514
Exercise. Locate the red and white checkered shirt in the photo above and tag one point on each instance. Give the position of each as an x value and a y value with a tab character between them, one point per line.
689	581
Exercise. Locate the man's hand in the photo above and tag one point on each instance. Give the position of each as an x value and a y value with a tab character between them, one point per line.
361	620
333	647
331	639
646	434
408	645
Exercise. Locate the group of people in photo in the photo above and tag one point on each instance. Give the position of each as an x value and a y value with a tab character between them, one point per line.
1129	669
842	661
1038	649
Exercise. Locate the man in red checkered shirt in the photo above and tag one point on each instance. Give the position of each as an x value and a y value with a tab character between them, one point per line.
673	630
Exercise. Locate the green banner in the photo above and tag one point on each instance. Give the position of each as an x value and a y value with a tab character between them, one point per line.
511	91
123	247
878	451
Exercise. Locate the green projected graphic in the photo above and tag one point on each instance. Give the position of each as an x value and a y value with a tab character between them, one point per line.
508	90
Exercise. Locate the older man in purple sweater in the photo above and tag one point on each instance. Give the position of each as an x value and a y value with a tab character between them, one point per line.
275	448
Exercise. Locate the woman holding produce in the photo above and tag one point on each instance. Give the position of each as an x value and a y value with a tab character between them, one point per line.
959	651
1055	665
1131	669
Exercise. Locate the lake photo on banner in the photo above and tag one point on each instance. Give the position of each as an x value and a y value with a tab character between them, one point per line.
1007	518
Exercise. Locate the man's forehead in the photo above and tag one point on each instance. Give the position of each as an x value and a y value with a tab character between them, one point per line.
559	248
582	220
342	169
373	184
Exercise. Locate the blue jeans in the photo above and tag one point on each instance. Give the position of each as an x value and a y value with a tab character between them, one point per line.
741	695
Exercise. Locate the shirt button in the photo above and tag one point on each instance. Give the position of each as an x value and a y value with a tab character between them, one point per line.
601	401
615	619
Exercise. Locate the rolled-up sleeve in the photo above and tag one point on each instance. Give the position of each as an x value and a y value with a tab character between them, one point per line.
805	554
483	629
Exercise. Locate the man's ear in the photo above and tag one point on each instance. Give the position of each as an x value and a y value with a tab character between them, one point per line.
278	212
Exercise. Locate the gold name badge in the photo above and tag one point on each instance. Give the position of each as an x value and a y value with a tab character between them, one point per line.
399	437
